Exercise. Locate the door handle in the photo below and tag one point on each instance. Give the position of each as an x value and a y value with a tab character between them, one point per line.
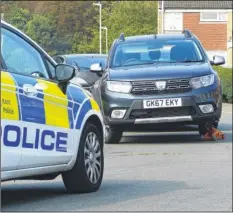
29	90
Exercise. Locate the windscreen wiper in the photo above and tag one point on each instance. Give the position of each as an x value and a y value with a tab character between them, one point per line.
76	65
188	61
140	64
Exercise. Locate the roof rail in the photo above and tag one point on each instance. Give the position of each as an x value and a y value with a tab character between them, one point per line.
187	33
122	37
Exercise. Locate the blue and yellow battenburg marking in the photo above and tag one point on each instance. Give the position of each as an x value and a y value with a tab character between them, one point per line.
9	100
50	106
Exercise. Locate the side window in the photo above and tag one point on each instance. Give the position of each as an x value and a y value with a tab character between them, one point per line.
19	56
51	68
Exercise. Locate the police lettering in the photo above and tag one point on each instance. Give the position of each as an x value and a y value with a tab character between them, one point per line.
47	139
9	130
8	110
4	101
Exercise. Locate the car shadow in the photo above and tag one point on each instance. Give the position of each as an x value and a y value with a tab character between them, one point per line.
183	128
49	195
225	127
175	134
171	139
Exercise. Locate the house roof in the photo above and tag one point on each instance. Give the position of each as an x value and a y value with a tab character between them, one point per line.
197	4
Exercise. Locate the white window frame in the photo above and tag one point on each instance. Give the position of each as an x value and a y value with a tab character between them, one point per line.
213	20
174	14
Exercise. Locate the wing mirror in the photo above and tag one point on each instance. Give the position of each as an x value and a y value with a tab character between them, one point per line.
96	68
64	72
218	60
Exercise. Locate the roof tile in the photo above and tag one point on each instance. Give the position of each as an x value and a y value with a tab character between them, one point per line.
197	4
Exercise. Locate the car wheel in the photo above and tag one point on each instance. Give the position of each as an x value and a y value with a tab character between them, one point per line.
113	136
215	124
87	174
219	114
202	128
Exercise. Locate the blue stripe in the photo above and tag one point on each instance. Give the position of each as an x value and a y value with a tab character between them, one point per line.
70	114
40	94
69	96
78	95
84	110
75	109
70	104
32	109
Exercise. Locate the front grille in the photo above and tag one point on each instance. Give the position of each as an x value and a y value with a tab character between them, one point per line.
149	87
162	112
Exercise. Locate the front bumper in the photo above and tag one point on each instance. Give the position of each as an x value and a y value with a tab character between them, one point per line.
136	115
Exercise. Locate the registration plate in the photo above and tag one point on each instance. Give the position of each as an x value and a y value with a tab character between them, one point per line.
162	103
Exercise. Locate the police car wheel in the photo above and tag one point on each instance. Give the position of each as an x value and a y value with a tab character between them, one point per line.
87	173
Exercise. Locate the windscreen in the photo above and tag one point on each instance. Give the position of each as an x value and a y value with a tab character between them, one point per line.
156	51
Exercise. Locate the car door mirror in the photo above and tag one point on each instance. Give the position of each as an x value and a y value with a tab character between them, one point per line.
218	60
59	59
64	72
96	68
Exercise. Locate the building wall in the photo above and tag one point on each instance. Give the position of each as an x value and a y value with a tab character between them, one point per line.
213	36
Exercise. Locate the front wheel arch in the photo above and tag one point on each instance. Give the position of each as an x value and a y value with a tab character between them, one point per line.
76	180
94	119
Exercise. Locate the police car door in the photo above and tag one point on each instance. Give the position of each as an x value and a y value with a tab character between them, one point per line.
10	124
45	132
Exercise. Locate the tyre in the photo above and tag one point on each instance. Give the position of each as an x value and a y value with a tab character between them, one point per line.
219	114
215	124
87	174
202	128
114	136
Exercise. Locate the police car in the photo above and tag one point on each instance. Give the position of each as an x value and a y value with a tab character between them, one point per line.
49	126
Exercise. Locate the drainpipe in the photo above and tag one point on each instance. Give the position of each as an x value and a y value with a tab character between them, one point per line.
158	14
162	17
158	24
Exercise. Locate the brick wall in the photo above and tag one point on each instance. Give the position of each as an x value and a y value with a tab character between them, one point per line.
229	38
213	36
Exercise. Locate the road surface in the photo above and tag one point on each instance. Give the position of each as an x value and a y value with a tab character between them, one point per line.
156	172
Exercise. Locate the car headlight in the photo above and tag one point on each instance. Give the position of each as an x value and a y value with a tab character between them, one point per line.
119	86
203	81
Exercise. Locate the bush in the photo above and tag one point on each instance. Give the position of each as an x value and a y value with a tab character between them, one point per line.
225	75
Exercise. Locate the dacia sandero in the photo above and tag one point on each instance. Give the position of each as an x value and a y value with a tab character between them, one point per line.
154	80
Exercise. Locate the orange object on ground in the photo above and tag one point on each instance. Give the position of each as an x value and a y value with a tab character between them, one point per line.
213	134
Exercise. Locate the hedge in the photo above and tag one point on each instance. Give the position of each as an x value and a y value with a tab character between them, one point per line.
225	75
